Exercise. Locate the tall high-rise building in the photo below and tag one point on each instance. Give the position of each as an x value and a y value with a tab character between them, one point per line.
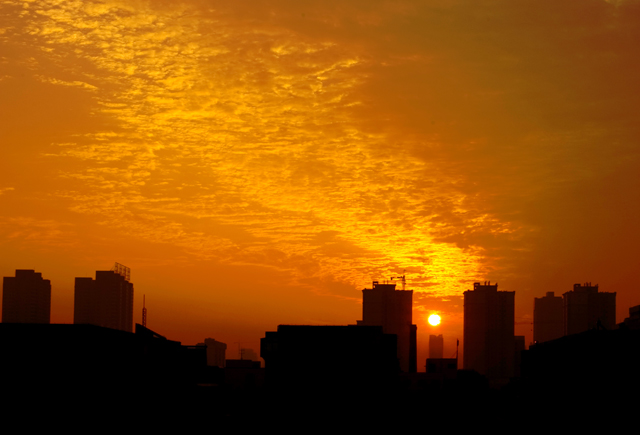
436	346
489	344
548	323
584	307
385	306
26	298
106	301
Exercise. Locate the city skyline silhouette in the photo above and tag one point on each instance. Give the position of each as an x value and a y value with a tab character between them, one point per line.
317	370
261	163
490	346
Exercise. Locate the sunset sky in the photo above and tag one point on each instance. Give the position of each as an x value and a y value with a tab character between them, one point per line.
258	163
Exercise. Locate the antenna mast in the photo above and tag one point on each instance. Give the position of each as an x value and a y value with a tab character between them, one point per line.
144	312
403	278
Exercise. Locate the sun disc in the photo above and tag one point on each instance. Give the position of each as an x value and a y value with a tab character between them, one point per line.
434	320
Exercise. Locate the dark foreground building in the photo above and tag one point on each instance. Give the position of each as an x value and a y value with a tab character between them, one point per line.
585	308
597	365
548	318
91	362
489	342
316	358
26	298
383	305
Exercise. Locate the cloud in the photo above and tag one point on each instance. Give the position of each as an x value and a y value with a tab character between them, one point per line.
38	233
456	140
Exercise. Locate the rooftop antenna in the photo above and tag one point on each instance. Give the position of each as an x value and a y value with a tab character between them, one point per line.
241	349
402	278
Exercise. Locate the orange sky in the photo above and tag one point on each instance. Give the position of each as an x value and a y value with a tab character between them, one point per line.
258	163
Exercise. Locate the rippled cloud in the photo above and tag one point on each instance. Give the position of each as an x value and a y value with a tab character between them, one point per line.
452	140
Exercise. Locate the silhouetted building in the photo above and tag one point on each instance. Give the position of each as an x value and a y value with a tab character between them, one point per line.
248	354
585	308
633	321
489	344
392	309
440	376
447	366
243	374
26	298
95	363
600	364
517	354
329	357
436	346
216	352
106	301
548	318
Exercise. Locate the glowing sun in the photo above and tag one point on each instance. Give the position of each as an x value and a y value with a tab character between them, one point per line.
434	320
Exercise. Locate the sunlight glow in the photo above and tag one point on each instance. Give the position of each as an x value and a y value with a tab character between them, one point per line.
434	320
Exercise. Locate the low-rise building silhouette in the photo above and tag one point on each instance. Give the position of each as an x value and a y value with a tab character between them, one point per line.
597	364
243	374
633	321
328	357
93	362
26	298
445	366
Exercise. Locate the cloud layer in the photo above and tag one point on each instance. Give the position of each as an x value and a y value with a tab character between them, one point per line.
336	143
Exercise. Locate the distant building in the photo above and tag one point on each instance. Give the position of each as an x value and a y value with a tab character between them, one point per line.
585	308
385	306
26	298
248	354
489	344
216	352
548	321
106	301
436	346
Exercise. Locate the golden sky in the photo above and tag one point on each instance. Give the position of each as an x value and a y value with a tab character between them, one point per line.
259	163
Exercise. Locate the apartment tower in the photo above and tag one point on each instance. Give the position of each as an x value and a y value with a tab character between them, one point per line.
26	298
489	343
106	300
383	305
